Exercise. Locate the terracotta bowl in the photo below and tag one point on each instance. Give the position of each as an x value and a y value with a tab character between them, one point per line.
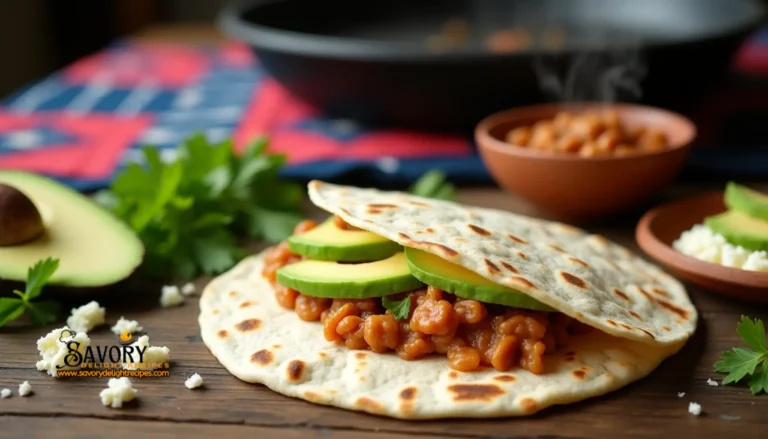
571	187
661	226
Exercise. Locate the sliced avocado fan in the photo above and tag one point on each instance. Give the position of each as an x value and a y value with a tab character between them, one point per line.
94	248
744	199
327	242
740	229
436	271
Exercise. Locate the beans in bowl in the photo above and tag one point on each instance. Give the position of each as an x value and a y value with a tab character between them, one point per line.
589	134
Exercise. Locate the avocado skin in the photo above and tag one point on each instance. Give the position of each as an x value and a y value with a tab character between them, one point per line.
327	243
742	198
353	282
735	233
435	271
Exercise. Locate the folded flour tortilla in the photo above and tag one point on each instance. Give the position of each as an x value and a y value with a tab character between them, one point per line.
644	314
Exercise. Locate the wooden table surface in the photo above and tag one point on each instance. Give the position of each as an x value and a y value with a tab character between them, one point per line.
228	407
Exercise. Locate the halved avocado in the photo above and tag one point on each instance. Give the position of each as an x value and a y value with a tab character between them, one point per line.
744	199
327	242
436	271
349	281
94	247
740	229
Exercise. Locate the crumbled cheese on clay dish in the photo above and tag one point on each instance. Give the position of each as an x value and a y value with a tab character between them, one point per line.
120	390
171	296
5	393
702	243
188	289
694	408
53	350
712	382
123	325
194	381
86	317
153	357
25	388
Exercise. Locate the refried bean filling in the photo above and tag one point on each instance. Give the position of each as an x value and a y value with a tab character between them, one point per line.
471	334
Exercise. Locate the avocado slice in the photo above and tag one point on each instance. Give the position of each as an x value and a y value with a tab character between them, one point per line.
349	281
744	199
327	242
740	229
94	247
436	271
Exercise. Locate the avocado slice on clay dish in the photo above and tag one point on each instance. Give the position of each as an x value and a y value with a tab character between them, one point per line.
328	242
41	218
447	276
744	199
740	229
349	281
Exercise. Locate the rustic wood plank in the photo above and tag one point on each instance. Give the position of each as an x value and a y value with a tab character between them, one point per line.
649	408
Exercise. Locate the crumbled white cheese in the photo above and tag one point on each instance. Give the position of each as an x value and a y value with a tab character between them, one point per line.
55	354
171	296
123	325
711	382
5	393
86	317
694	408
119	390
188	289
680	394
152	357
702	243
194	381
25	388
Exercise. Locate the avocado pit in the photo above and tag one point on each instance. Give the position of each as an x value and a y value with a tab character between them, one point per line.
20	221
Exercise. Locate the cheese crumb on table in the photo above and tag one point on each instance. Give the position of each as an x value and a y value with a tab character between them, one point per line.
146	357
188	289
25	388
54	352
123	325
712	382
119	391
194	381
171	296
680	394
694	408
5	393
86	317
702	243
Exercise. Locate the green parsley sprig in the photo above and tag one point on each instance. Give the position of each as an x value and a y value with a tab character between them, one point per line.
740	363
398	308
189	213
11	308
434	184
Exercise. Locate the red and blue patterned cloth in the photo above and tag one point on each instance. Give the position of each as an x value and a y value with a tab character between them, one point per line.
82	124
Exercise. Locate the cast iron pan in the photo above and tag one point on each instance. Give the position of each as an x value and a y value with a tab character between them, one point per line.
445	64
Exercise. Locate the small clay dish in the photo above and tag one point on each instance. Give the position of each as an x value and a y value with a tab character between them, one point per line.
567	186
660	227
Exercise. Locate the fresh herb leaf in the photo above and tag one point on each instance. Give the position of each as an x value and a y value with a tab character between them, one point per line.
41	313
189	213
434	184
398	308
740	363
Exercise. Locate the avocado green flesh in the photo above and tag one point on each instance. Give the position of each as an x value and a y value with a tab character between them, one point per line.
94	248
327	242
744	199
740	229
447	276
349	281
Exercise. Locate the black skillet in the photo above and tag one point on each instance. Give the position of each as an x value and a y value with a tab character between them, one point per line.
444	64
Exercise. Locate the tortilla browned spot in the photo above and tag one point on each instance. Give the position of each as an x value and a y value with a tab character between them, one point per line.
660	292
611	322
232	293
601	240
248	325
453	374
625	326
479	230
522	281
622	294
215	312
649	334
295	370
323	355
528	404
345	211
276	346
556	248
374	211
408	393
673	308
579	261
429	230
504	378
644	293
360	355
570	357
222	333
509	267
474	392
445	251
404	236
263	357
382	206
368	221
418	203
573	280
666	328
491	266
245	304
313	397
368	404
635	315
516	239
579	374
522	255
